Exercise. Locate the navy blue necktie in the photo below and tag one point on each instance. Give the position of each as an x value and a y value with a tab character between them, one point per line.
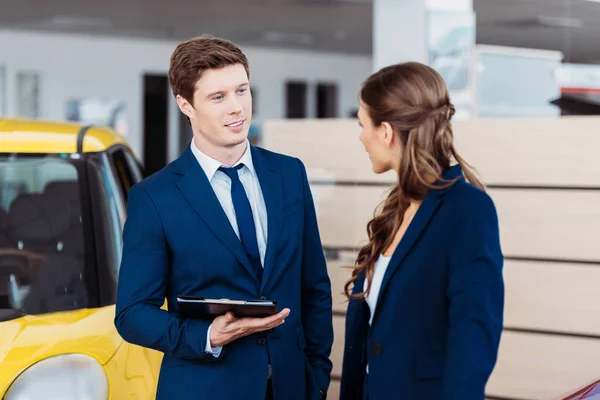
243	216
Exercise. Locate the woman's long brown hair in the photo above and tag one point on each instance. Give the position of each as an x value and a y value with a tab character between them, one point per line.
413	98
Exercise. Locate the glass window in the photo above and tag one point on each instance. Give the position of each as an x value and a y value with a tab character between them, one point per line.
41	234
125	177
137	170
107	227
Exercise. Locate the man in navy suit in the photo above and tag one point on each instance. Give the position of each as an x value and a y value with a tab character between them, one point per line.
226	220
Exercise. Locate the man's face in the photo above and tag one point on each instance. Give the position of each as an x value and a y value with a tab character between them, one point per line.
222	109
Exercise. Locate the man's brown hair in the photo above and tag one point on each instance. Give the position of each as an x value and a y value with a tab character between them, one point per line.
191	58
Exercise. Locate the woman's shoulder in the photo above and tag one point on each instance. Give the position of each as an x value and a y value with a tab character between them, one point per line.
468	197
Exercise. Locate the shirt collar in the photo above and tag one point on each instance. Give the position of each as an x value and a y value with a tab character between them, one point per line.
210	165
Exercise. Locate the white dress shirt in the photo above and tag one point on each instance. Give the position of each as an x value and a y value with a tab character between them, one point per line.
221	184
380	267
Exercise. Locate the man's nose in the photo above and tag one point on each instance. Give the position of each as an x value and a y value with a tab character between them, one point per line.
235	106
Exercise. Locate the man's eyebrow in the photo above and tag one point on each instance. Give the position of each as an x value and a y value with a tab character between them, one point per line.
221	91
214	94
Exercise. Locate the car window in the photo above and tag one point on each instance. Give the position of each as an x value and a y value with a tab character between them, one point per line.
107	227
136	167
126	178
42	254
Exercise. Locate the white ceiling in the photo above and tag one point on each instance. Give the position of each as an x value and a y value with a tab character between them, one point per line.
322	25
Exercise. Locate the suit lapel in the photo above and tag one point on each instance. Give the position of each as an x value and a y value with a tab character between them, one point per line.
413	232
199	193
417	226
271	184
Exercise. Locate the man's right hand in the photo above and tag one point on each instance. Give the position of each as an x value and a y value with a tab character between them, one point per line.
227	328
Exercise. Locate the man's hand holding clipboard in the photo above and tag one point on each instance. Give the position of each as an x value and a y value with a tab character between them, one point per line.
227	327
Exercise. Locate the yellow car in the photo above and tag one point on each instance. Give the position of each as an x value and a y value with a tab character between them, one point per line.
63	190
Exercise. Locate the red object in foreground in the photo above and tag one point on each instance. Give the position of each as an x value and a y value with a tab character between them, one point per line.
590	392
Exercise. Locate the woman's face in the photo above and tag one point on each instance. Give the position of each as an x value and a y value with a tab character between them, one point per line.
379	142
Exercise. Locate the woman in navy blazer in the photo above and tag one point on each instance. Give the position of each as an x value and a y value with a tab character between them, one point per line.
427	294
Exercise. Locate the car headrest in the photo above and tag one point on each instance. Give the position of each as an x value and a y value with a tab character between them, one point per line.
66	189
64	195
4	241
3	219
61	199
31	219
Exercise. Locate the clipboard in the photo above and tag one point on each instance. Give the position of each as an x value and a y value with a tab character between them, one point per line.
202	308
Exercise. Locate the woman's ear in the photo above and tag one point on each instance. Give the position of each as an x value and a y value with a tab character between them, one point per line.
387	133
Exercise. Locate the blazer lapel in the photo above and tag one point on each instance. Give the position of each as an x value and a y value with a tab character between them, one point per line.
417	226
413	232
197	190
270	178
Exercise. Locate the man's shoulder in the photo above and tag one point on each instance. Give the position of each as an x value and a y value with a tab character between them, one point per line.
282	160
157	181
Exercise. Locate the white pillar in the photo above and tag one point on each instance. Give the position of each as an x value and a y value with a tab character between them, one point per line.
398	32
439	33
400	28
450	5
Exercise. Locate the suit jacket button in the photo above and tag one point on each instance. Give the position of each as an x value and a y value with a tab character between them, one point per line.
262	340
377	349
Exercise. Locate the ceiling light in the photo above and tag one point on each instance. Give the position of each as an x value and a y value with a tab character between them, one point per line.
67	20
561	22
287	37
337	2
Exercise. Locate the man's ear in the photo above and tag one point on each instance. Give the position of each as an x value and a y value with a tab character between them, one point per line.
185	106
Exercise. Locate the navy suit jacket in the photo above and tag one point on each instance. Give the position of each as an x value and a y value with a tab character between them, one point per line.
178	241
437	324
